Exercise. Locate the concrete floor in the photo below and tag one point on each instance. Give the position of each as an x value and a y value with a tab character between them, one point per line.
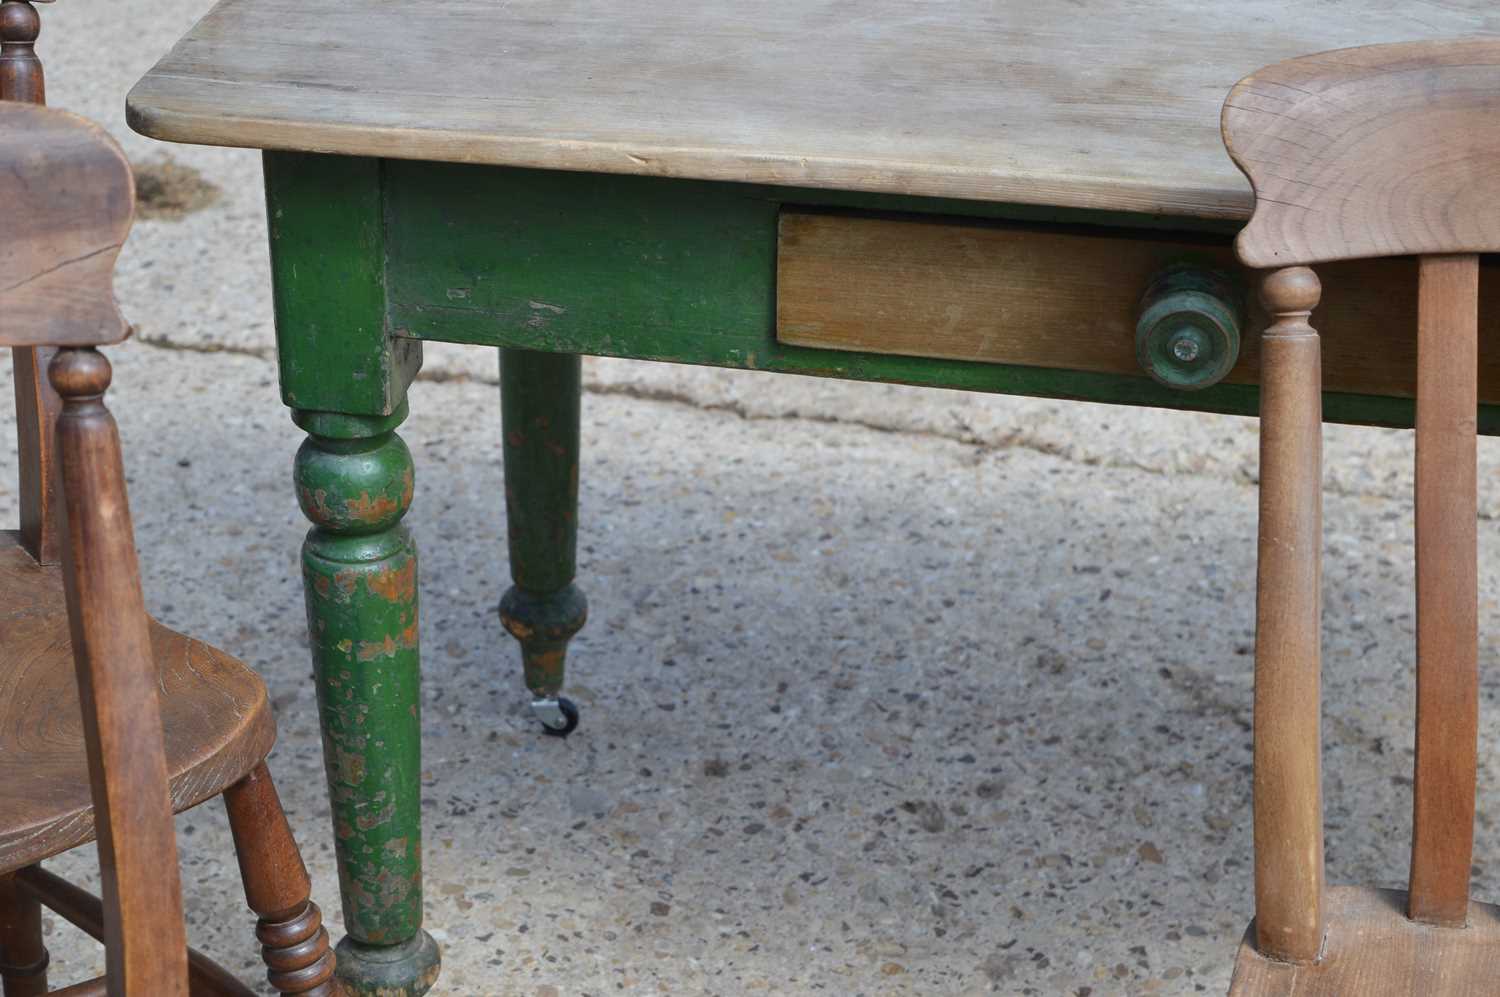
886	691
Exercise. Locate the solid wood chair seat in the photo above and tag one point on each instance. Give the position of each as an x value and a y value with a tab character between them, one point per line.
214	710
1373	947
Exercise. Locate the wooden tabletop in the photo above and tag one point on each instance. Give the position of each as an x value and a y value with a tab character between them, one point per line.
1101	104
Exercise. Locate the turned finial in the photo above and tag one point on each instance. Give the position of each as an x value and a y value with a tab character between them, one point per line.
79	374
20	69
19	23
1291	293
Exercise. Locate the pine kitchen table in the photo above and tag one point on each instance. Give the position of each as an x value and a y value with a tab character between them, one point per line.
1027	198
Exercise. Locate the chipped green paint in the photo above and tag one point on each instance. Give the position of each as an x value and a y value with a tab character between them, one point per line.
406	970
543	624
539	403
370	257
354	486
327	281
354	480
1188	335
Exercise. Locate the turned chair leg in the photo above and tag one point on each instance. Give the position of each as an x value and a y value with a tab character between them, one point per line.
294	942
23	957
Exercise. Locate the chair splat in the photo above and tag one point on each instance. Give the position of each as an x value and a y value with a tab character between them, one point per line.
1447	590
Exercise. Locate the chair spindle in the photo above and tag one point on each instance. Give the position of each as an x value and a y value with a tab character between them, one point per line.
1288	796
117	685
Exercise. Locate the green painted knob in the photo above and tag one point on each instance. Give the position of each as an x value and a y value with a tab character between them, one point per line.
1188	336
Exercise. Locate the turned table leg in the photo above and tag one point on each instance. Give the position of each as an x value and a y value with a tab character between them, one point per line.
354	481
344	374
543	609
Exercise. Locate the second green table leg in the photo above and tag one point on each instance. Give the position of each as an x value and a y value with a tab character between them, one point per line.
539	395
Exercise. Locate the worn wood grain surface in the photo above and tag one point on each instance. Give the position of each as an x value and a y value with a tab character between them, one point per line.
1372	950
1061	297
1381	151
1386	150
145	940
69	201
1115	106
1447	537
214	710
1288	800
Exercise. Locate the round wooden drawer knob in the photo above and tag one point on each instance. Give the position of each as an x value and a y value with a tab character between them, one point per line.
1188	336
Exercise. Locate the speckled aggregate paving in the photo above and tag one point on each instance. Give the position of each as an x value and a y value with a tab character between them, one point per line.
885	691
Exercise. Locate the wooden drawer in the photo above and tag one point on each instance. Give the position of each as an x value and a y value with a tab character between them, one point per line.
1068	298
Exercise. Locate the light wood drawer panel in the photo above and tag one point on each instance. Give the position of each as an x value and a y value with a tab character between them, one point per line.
1068	298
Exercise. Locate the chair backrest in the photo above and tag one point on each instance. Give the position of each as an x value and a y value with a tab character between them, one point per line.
68	200
1388	150
21	79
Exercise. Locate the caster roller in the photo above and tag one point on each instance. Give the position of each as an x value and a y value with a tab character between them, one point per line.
559	717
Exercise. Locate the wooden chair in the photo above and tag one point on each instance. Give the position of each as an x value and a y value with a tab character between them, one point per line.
109	722
1391	150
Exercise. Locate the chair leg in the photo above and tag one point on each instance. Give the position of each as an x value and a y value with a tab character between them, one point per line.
294	942
23	957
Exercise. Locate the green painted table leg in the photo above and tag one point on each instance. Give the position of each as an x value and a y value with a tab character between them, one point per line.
354	482
543	610
345	377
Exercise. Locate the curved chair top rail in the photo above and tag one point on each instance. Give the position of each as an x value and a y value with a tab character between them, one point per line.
68	199
1386	150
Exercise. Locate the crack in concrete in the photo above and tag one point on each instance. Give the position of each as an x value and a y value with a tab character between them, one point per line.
162	343
1016	439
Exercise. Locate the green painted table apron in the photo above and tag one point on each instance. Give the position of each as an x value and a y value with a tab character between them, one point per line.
979	195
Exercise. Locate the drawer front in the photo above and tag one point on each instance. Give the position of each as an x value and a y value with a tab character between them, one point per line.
1069	298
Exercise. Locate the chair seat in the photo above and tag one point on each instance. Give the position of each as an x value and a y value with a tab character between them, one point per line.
1373	950
214	710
